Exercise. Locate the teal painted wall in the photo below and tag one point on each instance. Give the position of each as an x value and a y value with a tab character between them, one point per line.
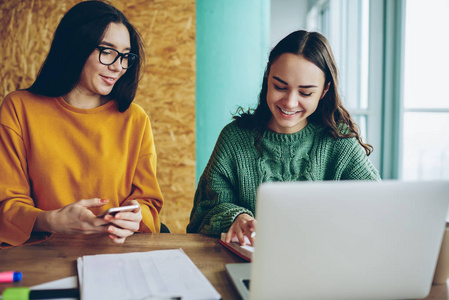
232	47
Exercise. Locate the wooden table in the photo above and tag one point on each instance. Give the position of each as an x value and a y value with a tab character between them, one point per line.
56	258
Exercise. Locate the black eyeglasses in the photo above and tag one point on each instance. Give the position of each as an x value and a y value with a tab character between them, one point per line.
108	56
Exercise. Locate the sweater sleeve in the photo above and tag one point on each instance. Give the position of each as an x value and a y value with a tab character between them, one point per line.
352	163
216	202
145	187
17	209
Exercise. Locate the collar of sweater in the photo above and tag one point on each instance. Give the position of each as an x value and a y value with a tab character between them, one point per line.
304	133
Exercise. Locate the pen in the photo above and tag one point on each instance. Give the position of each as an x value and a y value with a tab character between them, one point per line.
10	276
24	293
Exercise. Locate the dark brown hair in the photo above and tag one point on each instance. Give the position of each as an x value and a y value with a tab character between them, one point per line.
330	112
78	34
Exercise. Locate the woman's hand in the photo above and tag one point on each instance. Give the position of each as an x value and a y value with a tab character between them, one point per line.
72	218
243	225
123	224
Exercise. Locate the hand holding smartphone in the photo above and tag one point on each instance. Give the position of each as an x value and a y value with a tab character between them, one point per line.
114	210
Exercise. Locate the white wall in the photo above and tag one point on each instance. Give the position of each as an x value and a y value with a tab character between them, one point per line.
286	17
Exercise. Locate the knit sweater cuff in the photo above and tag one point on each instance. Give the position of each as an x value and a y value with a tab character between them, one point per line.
233	215
221	222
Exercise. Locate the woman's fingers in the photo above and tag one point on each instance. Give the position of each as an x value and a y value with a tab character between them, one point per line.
118	235
252	231
124	224
243	226
241	238
116	239
78	218
126	220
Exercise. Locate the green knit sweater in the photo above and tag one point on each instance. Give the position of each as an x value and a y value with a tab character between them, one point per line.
229	183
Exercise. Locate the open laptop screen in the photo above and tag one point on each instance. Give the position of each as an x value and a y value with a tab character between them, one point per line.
347	240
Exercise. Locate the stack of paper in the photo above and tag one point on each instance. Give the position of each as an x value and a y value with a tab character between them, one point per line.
142	275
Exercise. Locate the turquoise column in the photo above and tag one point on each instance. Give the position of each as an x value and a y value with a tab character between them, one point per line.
232	47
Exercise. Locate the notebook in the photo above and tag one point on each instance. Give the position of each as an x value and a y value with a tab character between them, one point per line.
344	240
245	252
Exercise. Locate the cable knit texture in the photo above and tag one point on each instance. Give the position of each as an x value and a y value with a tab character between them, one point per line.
229	183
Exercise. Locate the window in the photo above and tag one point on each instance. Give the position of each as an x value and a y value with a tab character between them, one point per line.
393	63
346	24
425	138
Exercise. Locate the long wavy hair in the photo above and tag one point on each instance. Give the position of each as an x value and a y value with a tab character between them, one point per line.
330	113
78	34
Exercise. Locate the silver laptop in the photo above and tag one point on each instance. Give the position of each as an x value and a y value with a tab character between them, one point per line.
344	240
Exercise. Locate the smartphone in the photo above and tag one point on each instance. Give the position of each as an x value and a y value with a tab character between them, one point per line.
114	210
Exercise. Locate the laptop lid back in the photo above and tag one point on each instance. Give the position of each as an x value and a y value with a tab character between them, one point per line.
348	239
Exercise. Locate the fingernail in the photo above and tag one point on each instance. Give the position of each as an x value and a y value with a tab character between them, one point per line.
104	200
111	229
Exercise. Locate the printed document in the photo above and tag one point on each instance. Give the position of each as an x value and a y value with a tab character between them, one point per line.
142	275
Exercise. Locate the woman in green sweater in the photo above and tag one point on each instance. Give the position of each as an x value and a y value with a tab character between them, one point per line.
299	131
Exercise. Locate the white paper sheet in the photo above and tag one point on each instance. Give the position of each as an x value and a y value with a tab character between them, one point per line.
63	283
447	216
157	274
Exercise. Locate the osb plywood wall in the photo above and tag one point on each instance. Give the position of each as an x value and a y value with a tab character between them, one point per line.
166	92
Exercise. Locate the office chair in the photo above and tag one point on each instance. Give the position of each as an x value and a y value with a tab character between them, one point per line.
164	228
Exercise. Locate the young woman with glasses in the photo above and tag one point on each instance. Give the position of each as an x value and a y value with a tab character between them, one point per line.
73	144
299	131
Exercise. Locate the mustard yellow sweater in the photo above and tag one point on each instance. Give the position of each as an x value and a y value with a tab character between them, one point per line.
53	154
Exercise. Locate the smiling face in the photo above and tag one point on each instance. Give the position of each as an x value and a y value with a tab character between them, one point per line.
295	87
97	79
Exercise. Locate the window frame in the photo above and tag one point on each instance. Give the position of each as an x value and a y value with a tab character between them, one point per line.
384	110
